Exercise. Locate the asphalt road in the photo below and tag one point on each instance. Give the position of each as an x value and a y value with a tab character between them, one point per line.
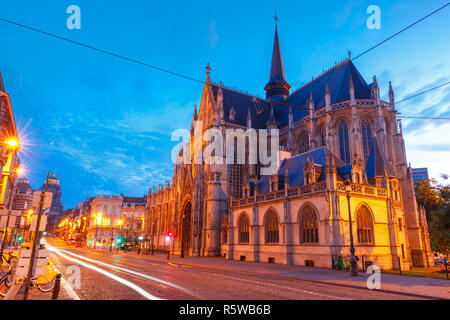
104	275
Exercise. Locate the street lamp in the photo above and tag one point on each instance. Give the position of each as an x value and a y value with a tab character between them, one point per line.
153	234
12	143
98	219
353	266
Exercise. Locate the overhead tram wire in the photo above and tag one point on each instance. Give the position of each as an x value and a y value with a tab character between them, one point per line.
404	29
420	93
200	81
169	71
101	50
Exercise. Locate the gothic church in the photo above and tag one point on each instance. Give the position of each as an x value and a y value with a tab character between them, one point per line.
342	167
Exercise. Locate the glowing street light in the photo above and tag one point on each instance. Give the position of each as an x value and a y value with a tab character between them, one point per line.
13	143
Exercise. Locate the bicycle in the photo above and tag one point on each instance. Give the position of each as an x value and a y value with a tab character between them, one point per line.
43	283
10	260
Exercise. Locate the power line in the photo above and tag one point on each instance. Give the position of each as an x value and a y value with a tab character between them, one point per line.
200	81
169	71
101	50
404	29
420	93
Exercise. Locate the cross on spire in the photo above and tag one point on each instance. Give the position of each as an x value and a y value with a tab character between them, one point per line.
276	17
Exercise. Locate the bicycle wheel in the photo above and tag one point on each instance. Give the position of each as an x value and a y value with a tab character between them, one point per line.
4	264
45	285
5	284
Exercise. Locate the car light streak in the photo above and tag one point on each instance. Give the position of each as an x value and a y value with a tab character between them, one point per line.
169	284
106	273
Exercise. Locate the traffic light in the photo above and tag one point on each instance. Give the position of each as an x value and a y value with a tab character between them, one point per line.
119	241
19	239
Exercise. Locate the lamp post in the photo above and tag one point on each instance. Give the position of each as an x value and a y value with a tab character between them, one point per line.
13	145
98	218
182	235
153	234
353	266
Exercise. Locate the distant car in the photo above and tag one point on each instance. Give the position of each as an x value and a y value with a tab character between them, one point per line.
79	245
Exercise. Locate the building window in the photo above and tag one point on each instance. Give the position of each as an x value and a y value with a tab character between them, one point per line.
400	224
225	234
244	229
364	225
236	175
271	228
343	142
309	178
273	186
367	138
322	136
303	144
309	227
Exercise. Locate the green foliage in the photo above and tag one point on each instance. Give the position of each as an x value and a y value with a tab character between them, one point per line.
435	198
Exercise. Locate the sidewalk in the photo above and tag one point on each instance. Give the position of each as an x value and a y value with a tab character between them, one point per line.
419	286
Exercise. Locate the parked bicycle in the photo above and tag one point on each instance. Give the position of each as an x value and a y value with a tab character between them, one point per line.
8	261
42	283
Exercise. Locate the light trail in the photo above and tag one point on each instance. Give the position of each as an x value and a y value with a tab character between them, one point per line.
143	275
106	273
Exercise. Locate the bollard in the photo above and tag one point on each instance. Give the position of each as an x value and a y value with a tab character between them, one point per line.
57	286
168	254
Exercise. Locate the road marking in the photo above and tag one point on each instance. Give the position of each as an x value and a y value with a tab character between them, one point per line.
143	275
279	286
69	290
108	274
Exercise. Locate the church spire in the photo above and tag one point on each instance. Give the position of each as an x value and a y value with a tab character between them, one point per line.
2	88
277	85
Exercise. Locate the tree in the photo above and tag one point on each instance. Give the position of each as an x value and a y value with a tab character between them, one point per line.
436	200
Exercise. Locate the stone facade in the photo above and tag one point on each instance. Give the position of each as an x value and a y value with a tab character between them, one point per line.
334	129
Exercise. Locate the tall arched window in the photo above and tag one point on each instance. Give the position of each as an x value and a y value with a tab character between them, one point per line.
303	143
322	135
367	139
364	225
309	228
244	229
271	228
343	142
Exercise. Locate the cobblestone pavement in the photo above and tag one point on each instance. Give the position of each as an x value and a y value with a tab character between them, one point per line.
105	275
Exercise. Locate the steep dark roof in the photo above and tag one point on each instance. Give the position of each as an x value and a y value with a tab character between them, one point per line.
377	162
338	79
140	200
241	102
295	167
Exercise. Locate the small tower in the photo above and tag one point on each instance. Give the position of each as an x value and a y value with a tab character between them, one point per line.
216	204
277	89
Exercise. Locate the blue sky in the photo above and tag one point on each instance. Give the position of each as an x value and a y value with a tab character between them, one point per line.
104	124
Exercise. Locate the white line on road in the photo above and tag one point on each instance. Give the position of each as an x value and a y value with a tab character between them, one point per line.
69	290
108	274
279	286
143	275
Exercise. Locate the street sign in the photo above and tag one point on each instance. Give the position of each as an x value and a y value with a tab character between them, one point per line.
11	224
37	199
16	213
34	222
39	266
